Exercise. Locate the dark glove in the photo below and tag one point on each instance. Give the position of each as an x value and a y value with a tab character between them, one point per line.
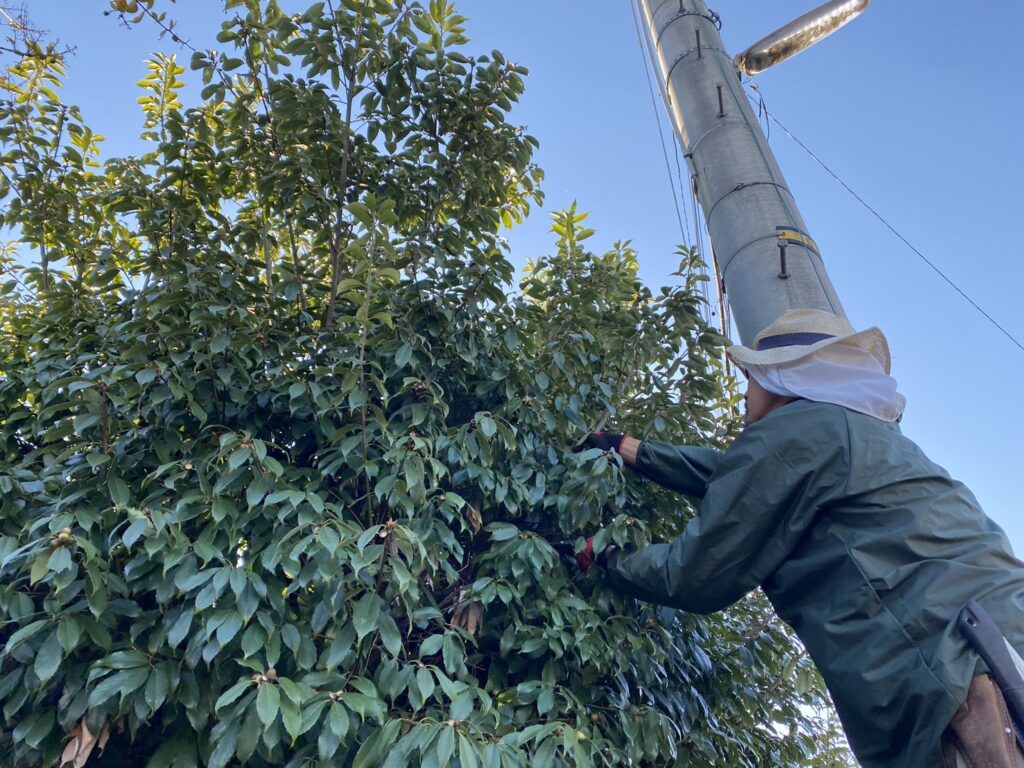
606	441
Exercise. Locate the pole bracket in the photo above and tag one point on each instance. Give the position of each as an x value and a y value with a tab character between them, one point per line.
783	274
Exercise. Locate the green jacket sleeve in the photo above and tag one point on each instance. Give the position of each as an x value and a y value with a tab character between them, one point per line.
763	495
681	468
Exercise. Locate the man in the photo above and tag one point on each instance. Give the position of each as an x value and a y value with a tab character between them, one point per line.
865	547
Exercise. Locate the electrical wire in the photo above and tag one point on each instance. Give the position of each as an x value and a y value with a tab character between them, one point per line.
893	229
696	241
682	184
657	117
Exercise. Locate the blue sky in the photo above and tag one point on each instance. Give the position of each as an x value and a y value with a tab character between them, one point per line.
915	105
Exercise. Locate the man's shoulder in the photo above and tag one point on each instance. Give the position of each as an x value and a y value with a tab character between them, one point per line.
806	412
799	431
826	427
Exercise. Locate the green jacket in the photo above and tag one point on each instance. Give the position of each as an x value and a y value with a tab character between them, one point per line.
864	546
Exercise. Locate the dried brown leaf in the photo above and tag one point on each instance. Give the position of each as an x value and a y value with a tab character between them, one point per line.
68	755
476	520
104	736
82	743
467	614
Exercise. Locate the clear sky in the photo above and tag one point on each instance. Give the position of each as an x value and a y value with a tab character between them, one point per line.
916	105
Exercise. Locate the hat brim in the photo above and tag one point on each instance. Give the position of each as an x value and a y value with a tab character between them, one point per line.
871	341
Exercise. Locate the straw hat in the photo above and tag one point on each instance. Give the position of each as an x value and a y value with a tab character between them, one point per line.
802	332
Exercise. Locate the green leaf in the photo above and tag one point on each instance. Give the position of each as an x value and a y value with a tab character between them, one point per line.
445	745
198	411
226	632
467	753
239	457
219	343
365	614
431	645
291	717
157	687
179	751
290	636
249	735
224	749
179	629
403	355
134	532
372	751
546	701
85	421
42	723
390	637
327	744
544	757
98	459
486	425
413	471
118	490
48	658
338	720
40	568
462	705
268	703
255	492
69	632
502	531
25	633
124	660
425	682
60	560
252	640
451	650
232	693
291	691
121	683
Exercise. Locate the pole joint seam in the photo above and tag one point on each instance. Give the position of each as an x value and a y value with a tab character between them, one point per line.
755	241
745	185
711	130
684	54
713	18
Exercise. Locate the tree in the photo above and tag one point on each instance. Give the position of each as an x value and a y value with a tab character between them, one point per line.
283	455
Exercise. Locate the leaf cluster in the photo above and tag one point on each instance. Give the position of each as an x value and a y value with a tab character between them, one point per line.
284	453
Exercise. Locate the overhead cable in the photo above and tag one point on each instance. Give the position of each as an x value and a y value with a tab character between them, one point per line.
657	117
892	229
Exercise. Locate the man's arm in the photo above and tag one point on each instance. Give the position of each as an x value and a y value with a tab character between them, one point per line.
765	493
680	468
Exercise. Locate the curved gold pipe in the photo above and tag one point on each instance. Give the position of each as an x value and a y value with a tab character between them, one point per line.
799	35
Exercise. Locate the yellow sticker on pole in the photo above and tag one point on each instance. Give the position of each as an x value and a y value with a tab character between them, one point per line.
791	235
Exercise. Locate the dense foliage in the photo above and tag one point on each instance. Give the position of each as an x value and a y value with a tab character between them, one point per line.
283	453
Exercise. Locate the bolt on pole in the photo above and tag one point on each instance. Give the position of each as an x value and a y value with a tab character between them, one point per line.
769	262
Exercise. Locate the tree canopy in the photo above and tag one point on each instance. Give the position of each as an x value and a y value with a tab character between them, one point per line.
285	446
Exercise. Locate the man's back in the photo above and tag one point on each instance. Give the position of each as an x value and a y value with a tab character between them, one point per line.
863	545
876	584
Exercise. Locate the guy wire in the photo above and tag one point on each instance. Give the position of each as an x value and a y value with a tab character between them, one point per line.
893	229
657	117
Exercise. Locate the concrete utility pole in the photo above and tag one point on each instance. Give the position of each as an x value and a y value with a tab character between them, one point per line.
767	259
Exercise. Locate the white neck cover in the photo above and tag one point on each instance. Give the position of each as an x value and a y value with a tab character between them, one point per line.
839	374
